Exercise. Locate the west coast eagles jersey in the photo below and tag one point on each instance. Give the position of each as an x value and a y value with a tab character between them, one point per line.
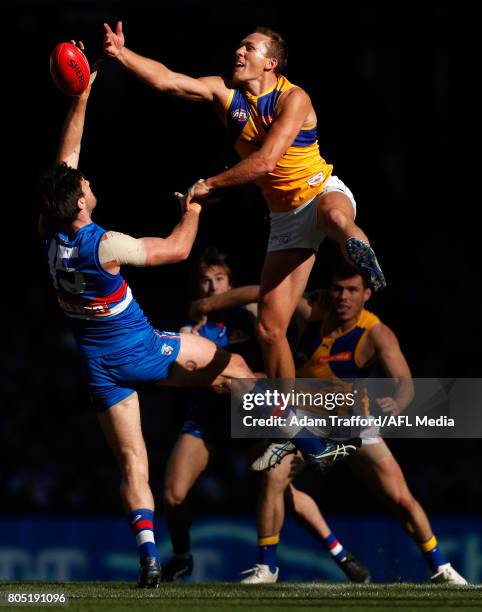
335	358
301	173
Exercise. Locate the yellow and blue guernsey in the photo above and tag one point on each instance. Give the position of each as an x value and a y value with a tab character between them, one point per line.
335	358
301	172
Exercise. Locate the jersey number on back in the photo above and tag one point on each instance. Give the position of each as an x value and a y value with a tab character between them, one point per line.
63	274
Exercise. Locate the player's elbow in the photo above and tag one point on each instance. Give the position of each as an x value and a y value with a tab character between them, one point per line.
181	253
267	165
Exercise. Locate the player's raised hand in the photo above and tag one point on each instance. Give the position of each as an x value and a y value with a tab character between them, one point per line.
113	41
185	205
93	69
197	192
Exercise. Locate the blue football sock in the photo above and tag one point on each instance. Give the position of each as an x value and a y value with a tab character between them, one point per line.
267	549
433	554
334	547
142	522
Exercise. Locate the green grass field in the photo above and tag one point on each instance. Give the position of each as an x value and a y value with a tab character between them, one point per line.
286	597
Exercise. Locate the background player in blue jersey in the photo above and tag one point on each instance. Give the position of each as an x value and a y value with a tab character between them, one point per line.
226	316
119	348
339	337
207	423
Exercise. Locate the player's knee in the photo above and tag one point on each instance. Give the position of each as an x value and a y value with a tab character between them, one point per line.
405	502
276	481
174	495
332	219
270	332
239	367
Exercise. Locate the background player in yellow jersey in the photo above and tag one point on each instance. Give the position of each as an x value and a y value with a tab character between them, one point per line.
273	125
339	339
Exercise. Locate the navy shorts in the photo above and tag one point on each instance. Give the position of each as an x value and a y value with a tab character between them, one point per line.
209	416
112	378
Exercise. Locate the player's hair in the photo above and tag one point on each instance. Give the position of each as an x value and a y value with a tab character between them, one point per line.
277	47
344	270
210	257
59	190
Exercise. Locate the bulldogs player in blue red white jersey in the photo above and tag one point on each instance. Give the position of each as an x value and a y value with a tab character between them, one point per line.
119	348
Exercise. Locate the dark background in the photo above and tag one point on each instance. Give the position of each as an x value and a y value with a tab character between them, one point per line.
389	84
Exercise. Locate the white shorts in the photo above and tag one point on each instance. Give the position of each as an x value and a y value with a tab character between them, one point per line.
298	228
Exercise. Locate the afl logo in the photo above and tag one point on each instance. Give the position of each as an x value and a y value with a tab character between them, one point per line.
240	114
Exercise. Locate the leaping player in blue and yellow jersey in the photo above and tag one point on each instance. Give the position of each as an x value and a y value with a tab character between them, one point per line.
273	125
119	348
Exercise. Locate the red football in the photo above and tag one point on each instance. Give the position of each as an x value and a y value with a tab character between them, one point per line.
69	69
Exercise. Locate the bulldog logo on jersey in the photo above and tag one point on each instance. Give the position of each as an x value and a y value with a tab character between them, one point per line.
166	349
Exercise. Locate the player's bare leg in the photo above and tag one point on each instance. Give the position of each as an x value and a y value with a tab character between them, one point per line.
121	425
375	464
283	280
186	463
381	471
336	220
270	518
306	511
200	363
271	508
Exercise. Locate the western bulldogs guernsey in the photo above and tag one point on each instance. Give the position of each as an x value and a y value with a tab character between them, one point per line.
100	307
209	416
301	173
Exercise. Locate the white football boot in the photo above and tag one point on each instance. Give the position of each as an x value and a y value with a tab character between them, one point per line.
447	575
260	574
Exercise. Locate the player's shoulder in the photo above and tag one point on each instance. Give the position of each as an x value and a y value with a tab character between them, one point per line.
382	335
218	86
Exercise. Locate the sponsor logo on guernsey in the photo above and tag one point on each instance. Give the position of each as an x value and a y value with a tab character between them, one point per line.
240	114
345	356
166	349
317	179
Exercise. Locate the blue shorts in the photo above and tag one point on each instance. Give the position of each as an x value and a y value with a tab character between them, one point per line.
112	378
209	416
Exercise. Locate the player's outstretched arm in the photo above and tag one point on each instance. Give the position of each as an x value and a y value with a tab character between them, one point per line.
240	296
393	361
73	128
117	249
157	75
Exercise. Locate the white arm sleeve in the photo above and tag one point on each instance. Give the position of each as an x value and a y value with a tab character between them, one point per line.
122	248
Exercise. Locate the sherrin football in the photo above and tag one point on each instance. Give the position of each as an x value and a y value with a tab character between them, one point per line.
69	69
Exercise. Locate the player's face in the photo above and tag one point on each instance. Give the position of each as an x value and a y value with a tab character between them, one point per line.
213	281
348	297
89	196
251	58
